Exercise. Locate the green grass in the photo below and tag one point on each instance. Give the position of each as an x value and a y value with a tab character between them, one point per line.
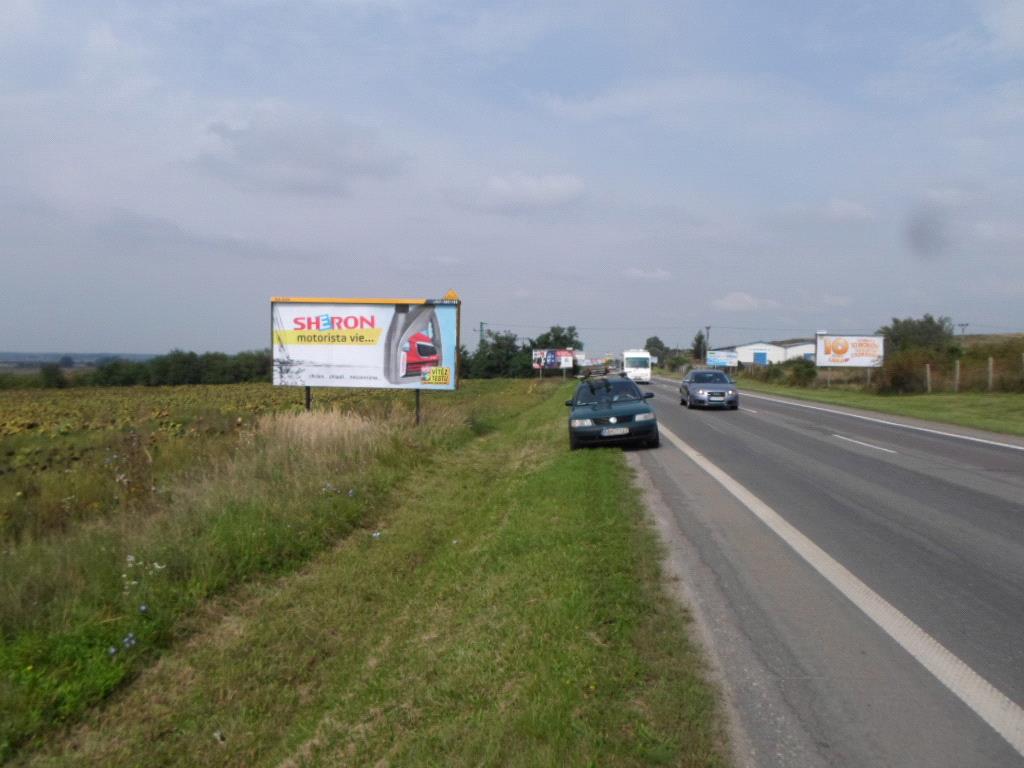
509	612
996	411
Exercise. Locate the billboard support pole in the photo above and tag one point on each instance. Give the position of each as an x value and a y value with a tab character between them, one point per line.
309	398
417	407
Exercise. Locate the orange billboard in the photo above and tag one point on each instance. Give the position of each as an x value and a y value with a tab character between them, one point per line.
850	351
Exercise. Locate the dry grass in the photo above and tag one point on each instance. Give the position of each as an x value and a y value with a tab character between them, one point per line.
294	484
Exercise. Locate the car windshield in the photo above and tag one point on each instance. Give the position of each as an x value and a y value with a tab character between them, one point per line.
709	377
638	362
607	390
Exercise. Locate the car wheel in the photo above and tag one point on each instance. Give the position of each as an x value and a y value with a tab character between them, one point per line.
655	441
689	403
682	401
573	443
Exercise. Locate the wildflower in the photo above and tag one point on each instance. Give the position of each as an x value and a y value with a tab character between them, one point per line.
144	608
376	534
351	492
129	640
159	566
112	651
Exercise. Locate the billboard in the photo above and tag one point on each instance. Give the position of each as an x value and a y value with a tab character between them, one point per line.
378	343
723	358
849	351
553	359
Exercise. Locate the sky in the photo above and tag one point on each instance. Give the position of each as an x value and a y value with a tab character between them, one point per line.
633	169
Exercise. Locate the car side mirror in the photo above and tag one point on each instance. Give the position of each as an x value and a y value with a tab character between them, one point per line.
648	395
569	403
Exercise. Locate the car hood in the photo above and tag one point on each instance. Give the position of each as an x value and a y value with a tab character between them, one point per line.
605	409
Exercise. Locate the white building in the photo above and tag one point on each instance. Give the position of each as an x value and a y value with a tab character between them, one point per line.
799	349
760	353
765	352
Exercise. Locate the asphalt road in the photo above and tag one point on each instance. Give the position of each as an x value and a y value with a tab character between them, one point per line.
879	620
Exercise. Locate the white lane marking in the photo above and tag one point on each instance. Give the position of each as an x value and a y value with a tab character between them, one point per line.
889	423
748	410
866	445
988	702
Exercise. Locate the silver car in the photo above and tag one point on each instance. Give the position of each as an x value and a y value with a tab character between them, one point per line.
710	389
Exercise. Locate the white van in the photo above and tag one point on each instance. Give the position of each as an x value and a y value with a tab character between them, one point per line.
637	365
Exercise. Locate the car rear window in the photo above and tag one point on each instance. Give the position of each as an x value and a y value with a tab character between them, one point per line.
425	350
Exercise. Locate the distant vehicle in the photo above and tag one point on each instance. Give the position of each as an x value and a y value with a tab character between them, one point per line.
418	354
611	409
710	389
637	365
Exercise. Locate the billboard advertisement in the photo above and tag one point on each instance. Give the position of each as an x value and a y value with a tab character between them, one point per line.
849	351
723	358
377	343
553	359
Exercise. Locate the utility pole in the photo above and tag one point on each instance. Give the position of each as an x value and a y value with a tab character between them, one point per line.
707	340
480	344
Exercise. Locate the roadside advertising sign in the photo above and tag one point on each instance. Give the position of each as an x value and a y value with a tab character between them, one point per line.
722	358
849	351
553	358
375	343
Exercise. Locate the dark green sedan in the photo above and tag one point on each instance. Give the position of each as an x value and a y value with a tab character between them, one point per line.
611	409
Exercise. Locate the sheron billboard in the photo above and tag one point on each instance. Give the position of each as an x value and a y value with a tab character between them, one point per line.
850	351
376	343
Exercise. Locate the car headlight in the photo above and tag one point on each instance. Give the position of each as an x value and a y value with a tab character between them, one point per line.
732	391
701	392
581	423
644	417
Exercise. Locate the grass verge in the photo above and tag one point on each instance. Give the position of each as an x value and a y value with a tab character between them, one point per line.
996	411
506	609
83	610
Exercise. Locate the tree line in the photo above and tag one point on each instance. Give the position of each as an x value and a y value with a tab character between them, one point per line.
909	342
176	367
499	355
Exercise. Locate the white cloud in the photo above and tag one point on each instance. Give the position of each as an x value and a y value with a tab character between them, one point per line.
848	210
830	300
699	102
284	152
636	273
1004	21
18	17
522	193
738	301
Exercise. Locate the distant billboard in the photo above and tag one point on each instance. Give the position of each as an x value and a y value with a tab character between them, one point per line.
553	359
375	343
722	358
849	351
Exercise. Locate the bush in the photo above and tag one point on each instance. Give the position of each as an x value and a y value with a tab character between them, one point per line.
52	377
800	373
903	372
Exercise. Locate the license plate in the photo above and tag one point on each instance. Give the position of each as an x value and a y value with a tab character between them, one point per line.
716	397
614	431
